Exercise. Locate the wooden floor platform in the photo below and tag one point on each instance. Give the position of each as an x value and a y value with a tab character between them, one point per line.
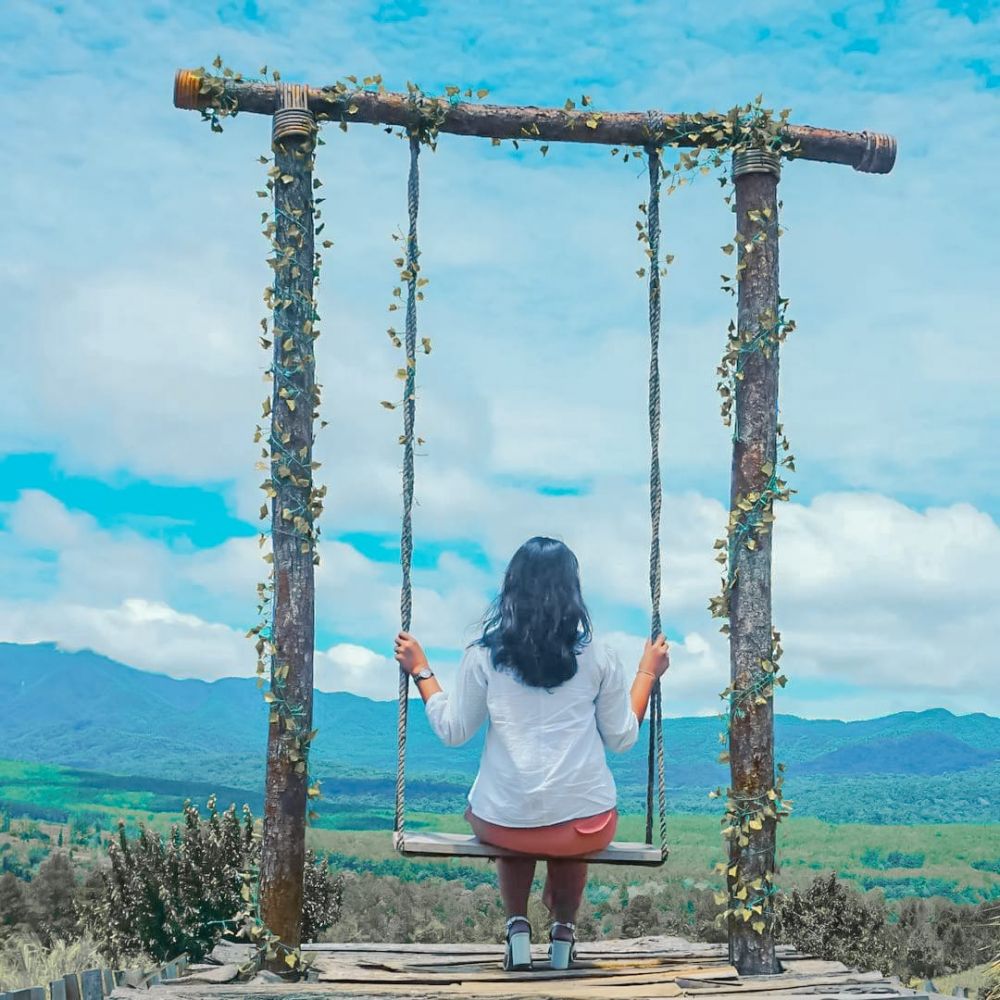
645	967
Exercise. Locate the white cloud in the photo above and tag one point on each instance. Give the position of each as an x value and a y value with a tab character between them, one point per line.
133	291
347	667
143	634
888	607
134	321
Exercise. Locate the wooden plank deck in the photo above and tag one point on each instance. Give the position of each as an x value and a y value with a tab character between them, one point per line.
651	967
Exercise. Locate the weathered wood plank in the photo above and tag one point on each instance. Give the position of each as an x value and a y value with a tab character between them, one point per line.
214	974
73	991
645	946
401	973
849	985
29	993
647	967
812	966
91	985
309	991
462	845
540	954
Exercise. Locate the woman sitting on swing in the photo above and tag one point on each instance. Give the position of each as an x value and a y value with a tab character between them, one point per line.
554	701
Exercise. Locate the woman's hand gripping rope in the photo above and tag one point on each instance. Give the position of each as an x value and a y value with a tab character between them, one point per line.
409	654
655	662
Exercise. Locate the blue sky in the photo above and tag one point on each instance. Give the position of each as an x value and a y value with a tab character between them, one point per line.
133	273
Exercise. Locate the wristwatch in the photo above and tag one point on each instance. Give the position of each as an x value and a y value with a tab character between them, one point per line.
423	675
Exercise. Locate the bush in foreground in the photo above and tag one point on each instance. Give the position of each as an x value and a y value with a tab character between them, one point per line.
180	894
919	940
831	921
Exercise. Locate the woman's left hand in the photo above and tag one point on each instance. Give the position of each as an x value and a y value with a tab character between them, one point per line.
409	654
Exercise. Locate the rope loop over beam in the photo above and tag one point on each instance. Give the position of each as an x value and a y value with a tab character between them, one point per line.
756	161
293	120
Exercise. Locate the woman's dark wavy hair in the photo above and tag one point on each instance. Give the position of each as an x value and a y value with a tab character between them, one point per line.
538	622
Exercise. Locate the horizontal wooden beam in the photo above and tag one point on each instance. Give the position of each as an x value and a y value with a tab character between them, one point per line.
869	152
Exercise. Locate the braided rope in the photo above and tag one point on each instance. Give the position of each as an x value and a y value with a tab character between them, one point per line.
409	411
656	753
655	756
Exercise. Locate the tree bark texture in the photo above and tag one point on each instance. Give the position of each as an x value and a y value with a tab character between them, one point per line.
291	441
751	734
866	151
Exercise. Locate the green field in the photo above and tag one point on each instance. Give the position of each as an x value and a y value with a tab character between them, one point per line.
807	847
960	862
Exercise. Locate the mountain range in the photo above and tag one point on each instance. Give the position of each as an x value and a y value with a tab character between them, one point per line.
86	711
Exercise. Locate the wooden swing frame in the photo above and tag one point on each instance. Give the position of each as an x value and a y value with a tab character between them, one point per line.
295	110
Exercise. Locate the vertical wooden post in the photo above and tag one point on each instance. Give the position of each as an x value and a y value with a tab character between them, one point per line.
751	733
291	440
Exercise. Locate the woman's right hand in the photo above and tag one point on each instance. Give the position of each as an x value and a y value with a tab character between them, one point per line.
656	656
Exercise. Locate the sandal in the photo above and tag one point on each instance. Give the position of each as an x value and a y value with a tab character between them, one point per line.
562	950
517	957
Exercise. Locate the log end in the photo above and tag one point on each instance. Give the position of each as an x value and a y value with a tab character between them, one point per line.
187	90
879	154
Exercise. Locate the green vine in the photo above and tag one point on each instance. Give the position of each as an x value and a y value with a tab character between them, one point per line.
280	465
746	127
749	896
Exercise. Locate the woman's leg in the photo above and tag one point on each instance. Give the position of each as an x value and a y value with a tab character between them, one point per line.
516	876
567	878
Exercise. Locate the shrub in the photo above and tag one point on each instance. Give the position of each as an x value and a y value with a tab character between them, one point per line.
831	921
872	858
179	894
322	900
13	904
52	900
640	917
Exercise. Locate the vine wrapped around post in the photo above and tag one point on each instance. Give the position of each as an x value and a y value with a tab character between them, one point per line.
295	504
751	397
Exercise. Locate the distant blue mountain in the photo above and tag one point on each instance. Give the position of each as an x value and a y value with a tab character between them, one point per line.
916	753
86	711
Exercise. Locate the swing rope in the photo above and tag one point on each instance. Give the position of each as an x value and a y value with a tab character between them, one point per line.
409	410
654	759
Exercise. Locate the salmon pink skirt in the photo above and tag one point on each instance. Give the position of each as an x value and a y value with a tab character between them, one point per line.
561	840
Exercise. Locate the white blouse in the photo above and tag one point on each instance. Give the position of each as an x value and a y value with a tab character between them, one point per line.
543	761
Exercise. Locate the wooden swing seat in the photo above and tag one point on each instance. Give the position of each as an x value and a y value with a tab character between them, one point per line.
463	845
